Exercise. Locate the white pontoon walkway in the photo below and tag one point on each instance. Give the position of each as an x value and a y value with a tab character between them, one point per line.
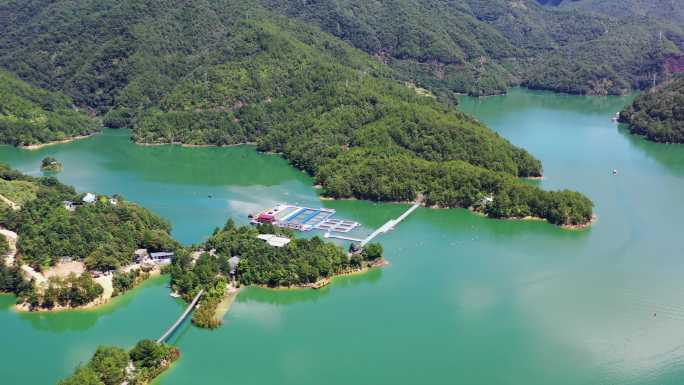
381	230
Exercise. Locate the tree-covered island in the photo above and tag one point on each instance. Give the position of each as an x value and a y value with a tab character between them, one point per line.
51	164
112	365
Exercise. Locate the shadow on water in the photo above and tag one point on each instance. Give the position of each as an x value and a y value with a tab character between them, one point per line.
522	98
669	155
465	223
112	152
297	295
81	320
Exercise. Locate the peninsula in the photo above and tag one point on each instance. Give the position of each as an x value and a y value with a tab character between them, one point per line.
239	256
658	115
329	108
69	250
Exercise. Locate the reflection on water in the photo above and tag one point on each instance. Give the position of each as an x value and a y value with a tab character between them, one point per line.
81	320
668	155
296	295
466	299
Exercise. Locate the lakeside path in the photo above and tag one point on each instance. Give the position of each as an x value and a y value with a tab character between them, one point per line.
12	240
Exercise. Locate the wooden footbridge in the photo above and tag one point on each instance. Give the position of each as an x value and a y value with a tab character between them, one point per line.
180	319
389	225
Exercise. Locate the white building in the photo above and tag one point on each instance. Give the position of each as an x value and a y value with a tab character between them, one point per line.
162	257
274	240
89	198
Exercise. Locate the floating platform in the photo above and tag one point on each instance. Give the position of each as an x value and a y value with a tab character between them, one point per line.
337	225
303	219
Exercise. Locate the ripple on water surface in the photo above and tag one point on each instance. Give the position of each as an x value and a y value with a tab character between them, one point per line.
465	299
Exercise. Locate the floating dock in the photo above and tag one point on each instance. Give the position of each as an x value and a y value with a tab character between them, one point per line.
304	219
389	225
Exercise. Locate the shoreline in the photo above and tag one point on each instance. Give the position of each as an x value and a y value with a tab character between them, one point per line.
323	282
226	303
584	226
186	145
328	198
105	299
55	142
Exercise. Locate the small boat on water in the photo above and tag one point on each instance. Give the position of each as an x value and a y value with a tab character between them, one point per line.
175	295
616	117
615	172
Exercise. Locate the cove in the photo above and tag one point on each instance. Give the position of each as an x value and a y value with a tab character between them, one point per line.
465	300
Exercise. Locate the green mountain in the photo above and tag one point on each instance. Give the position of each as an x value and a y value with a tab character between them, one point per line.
223	72
664	10
30	115
658	115
483	46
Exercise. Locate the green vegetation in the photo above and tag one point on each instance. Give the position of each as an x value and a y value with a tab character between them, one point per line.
303	262
73	291
658	115
122	281
662	10
50	164
382	174
108	366
30	115
18	191
234	72
12	281
482	46
103	234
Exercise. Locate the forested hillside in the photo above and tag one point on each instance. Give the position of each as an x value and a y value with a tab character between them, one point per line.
30	115
482	47
224	72
104	234
658	115
664	10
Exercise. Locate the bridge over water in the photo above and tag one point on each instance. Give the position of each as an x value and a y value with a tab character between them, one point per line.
180	319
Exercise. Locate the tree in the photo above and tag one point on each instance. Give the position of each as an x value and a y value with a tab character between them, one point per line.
147	354
372	251
84	375
110	364
48	161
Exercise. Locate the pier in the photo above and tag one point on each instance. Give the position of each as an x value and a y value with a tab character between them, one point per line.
389	225
180	319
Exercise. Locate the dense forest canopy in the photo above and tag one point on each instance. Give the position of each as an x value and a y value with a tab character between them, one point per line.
104	234
663	10
481	47
658	114
302	262
30	115
224	72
